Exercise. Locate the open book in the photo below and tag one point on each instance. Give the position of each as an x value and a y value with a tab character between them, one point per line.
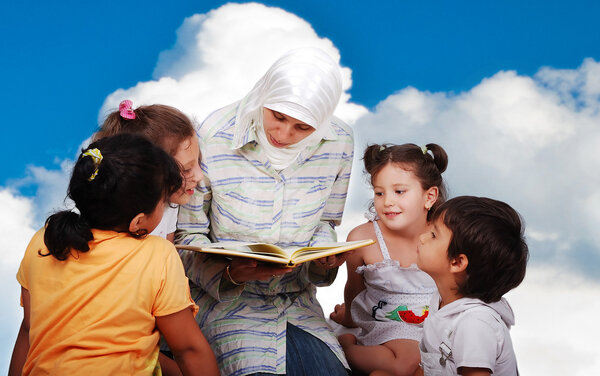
272	253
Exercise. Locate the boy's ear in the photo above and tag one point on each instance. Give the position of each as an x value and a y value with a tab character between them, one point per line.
459	263
431	196
137	223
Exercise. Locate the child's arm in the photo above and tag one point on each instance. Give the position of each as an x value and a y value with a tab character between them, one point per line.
469	371
22	345
168	366
191	350
354	283
171	237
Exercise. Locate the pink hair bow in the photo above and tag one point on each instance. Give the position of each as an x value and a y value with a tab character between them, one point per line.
125	109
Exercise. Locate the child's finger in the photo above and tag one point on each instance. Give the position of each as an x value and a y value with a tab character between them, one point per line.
330	260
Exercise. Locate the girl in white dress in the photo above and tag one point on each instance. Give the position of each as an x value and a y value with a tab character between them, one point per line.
387	295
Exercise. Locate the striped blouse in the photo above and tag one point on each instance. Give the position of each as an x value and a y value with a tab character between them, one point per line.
243	198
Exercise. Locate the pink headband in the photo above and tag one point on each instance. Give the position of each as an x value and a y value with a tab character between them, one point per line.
125	109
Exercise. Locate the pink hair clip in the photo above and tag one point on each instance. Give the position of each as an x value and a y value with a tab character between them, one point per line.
125	109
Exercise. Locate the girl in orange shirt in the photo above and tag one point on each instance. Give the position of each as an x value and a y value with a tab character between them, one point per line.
96	291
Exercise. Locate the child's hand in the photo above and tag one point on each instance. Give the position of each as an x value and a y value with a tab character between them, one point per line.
334	261
243	270
339	315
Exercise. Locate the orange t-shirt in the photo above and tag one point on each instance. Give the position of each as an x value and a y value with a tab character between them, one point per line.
94	313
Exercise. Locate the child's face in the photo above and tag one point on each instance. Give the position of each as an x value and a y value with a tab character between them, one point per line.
188	156
399	199
432	252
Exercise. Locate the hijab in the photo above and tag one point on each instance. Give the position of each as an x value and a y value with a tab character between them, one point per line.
305	84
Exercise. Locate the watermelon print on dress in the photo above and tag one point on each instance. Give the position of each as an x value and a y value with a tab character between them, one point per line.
402	313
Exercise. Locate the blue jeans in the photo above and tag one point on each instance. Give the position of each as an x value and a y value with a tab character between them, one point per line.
306	355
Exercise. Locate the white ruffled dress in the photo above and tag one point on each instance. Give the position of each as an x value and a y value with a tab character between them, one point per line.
395	301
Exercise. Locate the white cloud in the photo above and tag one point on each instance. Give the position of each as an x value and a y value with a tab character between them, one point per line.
51	188
531	141
556	332
16	228
19	219
565	82
219	56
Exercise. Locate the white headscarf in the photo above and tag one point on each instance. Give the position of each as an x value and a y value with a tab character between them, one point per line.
305	84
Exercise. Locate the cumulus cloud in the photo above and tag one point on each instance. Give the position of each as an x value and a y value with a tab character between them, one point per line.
50	188
16	228
219	56
19	219
553	312
530	141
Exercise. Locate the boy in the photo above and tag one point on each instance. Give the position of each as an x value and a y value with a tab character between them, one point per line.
475	252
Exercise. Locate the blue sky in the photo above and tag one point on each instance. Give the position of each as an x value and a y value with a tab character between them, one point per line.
510	89
61	59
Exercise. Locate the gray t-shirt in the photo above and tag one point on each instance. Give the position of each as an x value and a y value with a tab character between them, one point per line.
468	333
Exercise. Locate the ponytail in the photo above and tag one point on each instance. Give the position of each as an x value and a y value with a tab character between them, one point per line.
114	180
66	230
376	158
440	158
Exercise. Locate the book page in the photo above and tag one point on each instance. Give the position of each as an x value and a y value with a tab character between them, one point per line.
247	253
327	249
319	248
246	247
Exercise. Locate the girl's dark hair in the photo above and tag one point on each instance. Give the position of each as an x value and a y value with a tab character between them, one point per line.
164	125
426	166
133	176
491	234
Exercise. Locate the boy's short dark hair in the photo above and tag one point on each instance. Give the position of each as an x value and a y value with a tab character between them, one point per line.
491	234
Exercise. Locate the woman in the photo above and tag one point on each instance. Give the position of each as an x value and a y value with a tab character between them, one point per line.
277	166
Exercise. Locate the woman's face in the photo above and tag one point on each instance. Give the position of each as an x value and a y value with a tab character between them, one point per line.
283	130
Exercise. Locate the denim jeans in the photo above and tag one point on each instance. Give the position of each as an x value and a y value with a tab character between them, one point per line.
306	355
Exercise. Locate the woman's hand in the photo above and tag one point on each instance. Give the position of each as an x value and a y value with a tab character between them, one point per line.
334	261
243	270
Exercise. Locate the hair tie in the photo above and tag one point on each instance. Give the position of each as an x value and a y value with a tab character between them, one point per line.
381	148
424	149
96	157
125	109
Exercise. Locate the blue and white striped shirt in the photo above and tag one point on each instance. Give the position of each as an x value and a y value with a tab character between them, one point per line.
243	198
